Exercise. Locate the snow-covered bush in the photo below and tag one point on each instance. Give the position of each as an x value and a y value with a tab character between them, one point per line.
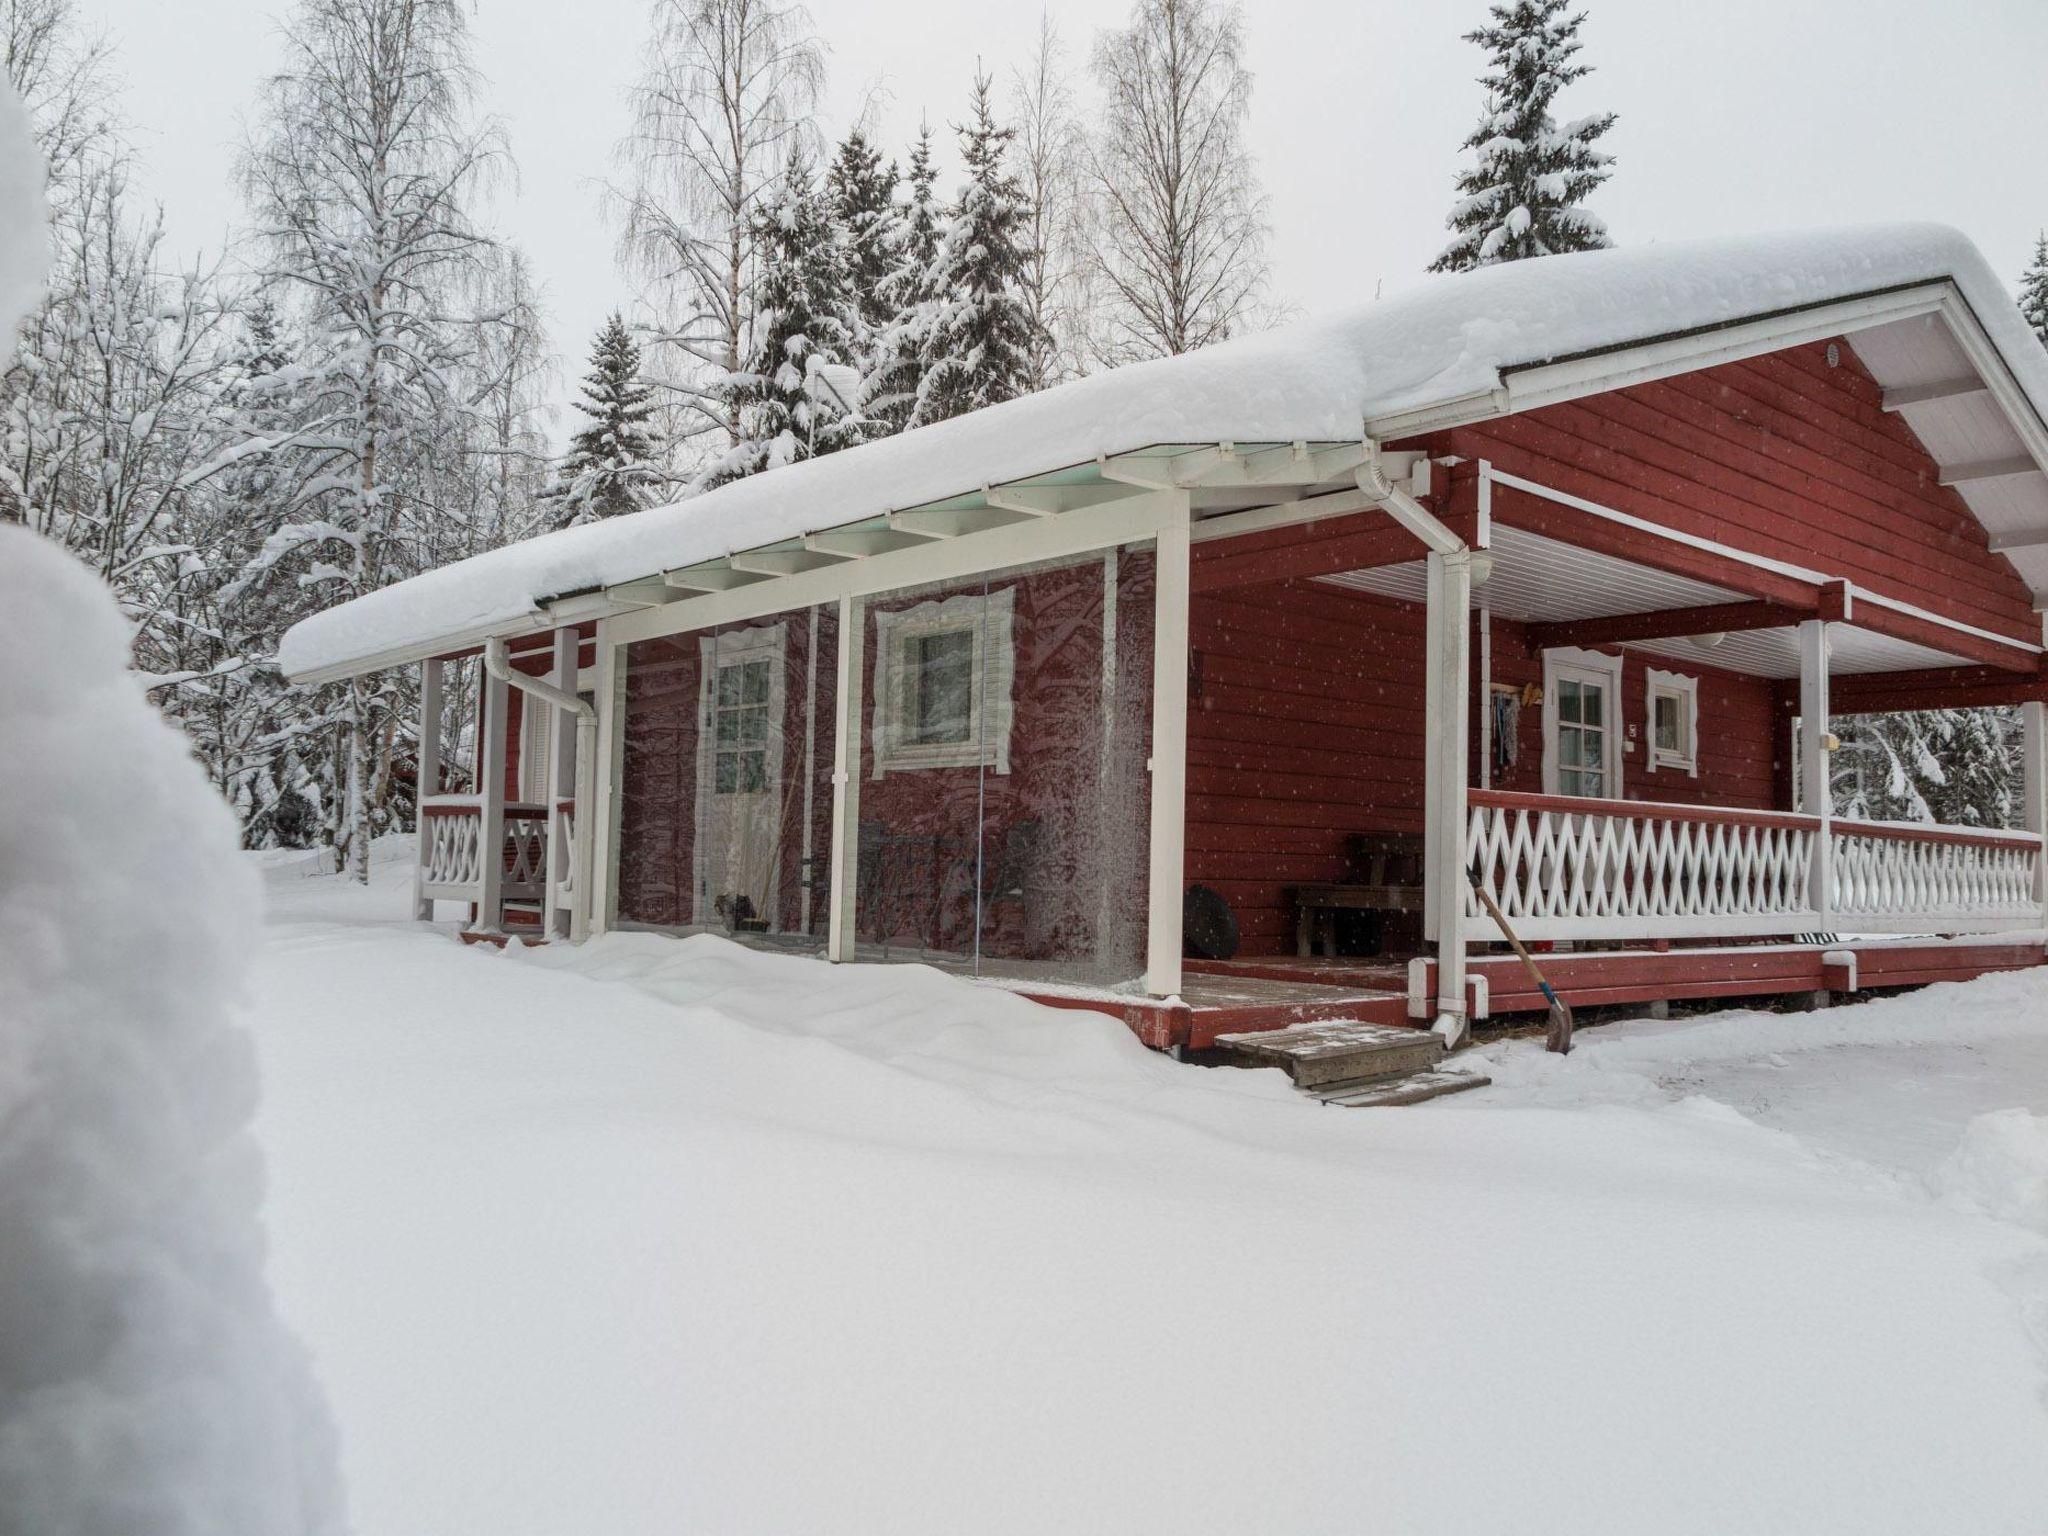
145	1381
2001	1168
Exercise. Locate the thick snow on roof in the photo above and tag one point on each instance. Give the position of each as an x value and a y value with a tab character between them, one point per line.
1326	379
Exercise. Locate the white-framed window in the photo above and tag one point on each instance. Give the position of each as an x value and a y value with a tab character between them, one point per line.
1671	716
943	675
1581	723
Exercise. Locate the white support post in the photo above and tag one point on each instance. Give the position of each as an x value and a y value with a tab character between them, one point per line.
2034	763
1816	794
598	780
1447	736
559	856
1169	762
427	780
490	907
840	935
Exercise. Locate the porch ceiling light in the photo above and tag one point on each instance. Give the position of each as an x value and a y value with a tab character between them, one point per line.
1482	567
1709	641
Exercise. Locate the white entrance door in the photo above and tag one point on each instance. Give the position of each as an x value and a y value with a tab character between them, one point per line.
737	859
1582	724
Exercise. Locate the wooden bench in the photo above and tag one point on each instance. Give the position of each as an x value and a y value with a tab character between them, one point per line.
1384	872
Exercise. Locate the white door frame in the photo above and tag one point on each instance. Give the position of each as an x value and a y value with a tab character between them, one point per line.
765	642
1583	666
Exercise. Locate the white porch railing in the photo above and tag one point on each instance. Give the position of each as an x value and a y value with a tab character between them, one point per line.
562	856
451	864
1561	867
1897	877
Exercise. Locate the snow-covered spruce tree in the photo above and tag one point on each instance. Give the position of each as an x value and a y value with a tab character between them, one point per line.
730	87
611	466
862	193
361	174
803	323
977	343
2034	289
899	368
1521	195
1050	152
1179	231
1957	766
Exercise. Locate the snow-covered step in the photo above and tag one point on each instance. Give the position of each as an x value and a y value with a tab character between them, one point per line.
1406	1088
1340	1051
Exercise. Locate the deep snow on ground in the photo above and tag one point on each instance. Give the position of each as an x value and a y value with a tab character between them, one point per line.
669	1236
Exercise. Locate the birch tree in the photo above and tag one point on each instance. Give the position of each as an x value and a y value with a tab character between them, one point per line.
362	177
1179	243
1050	149
729	91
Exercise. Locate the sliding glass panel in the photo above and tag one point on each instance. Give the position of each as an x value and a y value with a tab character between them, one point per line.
1004	806
726	810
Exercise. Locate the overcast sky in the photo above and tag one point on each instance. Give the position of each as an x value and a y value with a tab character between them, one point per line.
1736	115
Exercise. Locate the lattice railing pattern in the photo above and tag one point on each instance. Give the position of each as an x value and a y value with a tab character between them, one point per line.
1946	880
451	837
526	844
1562	867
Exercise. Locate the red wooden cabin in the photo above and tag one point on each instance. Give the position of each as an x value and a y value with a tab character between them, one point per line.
1554	573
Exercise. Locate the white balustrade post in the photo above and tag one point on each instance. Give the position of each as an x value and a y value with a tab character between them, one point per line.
490	907
1816	792
1447	706
1165	899
842	917
426	782
558	858
2034	760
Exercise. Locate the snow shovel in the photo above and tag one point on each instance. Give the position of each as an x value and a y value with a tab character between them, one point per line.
1560	1037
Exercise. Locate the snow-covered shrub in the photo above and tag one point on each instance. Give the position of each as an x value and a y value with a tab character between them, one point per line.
145	1381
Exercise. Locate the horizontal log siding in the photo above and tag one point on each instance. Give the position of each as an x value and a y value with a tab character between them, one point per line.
1737	748
1780	456
1304	725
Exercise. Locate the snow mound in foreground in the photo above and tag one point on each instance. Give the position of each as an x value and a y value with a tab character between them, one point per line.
145	1381
2001	1168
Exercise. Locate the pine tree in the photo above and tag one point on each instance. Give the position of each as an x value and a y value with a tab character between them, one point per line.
978	342
2034	289
899	365
612	464
1521	197
790	402
862	192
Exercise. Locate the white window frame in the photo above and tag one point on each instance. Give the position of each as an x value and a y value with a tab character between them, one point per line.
720	648
1686	690
1609	667
991	620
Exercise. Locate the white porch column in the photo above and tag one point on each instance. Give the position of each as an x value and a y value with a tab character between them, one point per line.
1169	761
1447	735
597	852
2034	760
427	780
490	909
1816	793
841	917
558	855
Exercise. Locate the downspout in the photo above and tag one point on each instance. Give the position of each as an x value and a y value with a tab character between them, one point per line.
1450	562
498	663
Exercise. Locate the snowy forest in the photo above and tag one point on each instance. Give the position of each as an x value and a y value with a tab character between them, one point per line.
358	386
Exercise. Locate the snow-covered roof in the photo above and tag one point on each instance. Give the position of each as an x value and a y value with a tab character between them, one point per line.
1329	379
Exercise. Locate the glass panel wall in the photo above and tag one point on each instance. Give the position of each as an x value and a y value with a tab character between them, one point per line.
726	780
1004	814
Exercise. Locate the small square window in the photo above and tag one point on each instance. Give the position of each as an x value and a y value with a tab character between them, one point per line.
943	674
1673	710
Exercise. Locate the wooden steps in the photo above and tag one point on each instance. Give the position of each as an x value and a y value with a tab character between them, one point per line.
1352	1063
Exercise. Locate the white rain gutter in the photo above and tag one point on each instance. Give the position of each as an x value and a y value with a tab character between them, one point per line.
498	663
1450	559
